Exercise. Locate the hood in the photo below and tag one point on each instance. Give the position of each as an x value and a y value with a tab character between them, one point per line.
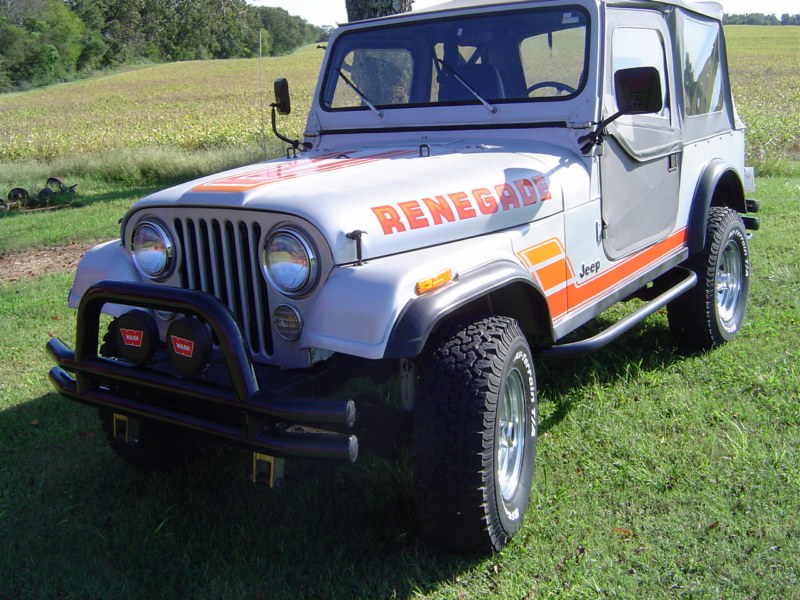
401	198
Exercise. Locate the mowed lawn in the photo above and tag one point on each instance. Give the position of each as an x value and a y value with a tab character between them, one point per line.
660	473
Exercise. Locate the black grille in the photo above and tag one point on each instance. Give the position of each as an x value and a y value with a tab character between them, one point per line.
221	257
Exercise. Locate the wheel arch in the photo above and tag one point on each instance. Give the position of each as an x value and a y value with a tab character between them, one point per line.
719	185
502	288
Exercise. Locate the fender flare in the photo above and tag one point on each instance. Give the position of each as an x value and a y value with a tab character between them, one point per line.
109	260
421	315
719	185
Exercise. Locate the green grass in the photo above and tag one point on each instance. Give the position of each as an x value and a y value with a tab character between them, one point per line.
660	474
94	220
766	87
192	105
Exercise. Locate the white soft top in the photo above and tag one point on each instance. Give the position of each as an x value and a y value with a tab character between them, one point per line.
710	9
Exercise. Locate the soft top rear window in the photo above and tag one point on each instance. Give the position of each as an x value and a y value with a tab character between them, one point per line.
516	56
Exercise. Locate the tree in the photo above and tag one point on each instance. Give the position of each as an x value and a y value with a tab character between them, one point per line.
44	41
358	10
18	10
286	32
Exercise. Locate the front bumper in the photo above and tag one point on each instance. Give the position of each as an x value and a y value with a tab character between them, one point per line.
236	411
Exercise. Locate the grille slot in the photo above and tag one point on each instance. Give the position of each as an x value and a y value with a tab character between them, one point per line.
220	257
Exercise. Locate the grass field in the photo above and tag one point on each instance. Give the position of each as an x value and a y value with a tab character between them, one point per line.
660	474
765	79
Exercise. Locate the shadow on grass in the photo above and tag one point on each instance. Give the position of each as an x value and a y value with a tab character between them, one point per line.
649	347
79	522
79	200
121	194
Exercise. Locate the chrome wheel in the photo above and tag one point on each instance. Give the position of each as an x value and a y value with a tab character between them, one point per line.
728	285
511	434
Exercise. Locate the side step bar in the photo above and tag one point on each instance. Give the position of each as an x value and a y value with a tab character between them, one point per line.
617	329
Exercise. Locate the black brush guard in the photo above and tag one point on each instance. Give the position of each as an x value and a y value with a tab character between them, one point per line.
84	376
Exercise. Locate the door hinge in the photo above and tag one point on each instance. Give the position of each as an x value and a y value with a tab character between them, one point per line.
601	230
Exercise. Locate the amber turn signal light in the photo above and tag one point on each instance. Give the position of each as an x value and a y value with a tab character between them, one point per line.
434	283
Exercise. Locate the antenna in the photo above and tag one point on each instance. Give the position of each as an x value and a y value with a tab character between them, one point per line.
261	95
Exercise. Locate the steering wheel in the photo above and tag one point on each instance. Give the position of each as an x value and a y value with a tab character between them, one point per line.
557	85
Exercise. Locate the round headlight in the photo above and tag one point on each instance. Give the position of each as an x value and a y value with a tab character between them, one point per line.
290	262
152	250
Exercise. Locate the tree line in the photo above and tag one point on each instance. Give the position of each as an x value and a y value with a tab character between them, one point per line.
45	41
761	19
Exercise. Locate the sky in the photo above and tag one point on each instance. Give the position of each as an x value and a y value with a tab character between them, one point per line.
331	12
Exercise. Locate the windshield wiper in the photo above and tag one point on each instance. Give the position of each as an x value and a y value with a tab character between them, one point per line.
492	109
361	95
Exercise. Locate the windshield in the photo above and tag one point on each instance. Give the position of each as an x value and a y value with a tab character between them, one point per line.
481	59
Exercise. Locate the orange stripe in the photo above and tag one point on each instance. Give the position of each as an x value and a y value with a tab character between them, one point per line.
258	176
557	301
274	173
604	284
541	252
553	274
575	295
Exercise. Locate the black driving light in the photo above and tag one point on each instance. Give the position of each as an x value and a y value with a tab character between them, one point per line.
189	345
136	336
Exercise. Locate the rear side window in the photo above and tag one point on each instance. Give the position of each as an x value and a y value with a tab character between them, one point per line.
702	79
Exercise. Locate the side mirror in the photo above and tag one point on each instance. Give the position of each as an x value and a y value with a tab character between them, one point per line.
283	103
638	90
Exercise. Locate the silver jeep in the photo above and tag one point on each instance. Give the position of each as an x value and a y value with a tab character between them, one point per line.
475	182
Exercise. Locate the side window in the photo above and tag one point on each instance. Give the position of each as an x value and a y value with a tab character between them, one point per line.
702	81
636	47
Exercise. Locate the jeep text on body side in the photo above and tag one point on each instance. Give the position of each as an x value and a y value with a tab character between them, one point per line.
475	182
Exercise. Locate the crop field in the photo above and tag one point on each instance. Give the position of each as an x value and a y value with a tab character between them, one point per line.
660	473
192	105
96	124
765	77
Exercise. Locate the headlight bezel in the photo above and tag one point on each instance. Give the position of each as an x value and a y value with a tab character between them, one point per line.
163	234
311	266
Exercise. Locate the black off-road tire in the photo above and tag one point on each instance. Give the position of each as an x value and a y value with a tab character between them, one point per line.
474	438
712	312
156	447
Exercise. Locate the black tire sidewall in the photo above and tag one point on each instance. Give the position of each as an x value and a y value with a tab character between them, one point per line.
510	513
455	435
694	317
732	231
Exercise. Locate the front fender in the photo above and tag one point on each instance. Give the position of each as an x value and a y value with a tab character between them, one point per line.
421	315
109	261
373	311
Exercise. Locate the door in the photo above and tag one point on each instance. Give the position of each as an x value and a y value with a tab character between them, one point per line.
639	168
